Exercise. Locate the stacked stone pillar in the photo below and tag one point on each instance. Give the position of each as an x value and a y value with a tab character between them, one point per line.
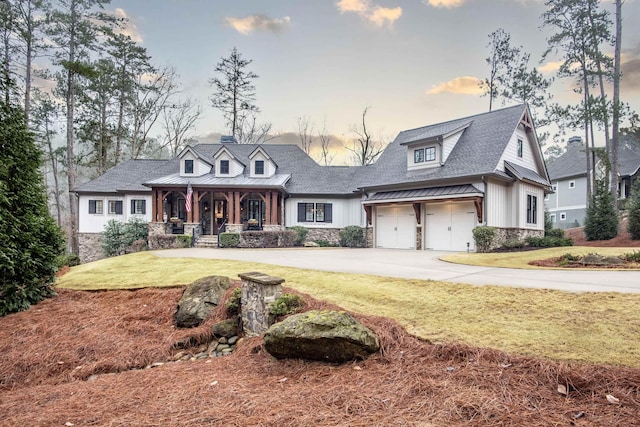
258	292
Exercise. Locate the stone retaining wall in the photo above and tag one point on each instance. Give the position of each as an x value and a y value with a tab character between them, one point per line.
90	247
331	235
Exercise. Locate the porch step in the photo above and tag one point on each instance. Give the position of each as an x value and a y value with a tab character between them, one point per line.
207	241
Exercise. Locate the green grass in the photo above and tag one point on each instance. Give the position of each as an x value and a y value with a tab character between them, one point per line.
588	327
521	259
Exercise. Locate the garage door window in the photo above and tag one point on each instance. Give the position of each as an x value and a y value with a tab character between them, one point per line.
315	212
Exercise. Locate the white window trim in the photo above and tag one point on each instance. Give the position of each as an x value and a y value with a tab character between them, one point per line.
563	216
572	184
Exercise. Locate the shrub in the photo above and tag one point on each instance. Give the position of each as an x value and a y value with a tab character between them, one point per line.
267	239
353	236
286	304
118	238
234	302
601	222
70	260
229	240
554	232
513	244
633	219
136	229
184	240
632	257
549	242
548	224
301	234
483	236
325	243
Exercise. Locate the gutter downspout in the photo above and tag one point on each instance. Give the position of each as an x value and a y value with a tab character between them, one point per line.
484	201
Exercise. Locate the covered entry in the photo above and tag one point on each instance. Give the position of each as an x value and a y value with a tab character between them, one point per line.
449	226
396	227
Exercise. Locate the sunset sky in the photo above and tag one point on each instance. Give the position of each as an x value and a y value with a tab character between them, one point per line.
412	62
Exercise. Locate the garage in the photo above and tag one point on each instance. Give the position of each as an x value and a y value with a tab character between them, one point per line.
449	226
396	227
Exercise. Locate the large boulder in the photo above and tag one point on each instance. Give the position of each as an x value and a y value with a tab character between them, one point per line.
199	298
331	336
227	328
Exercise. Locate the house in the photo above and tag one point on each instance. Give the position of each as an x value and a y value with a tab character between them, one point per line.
428	190
567	205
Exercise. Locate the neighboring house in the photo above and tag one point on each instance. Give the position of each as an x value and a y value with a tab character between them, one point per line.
567	205
428	190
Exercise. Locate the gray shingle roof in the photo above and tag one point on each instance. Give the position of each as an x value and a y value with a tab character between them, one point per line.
476	153
573	163
128	176
526	174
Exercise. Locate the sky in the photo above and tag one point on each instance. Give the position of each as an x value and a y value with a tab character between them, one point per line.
412	62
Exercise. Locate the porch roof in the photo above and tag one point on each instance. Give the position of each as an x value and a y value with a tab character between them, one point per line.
420	194
210	180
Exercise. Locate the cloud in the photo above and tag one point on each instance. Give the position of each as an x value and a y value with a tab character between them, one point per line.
258	22
630	66
385	15
550	67
359	6
466	85
375	14
444	3
130	29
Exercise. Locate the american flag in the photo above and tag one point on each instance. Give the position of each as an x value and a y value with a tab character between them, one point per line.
187	202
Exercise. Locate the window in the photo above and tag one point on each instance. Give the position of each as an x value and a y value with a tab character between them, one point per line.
96	207
418	155
532	209
315	212
188	166
115	207
563	216
138	207
520	148
555	188
430	154
224	167
259	167
553	218
572	184
546	197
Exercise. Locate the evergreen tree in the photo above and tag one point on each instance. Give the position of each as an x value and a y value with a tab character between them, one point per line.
601	222
30	241
633	206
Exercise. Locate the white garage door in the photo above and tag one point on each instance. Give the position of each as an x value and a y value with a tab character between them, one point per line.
396	227
449	226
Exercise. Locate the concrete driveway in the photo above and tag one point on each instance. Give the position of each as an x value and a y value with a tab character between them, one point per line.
421	265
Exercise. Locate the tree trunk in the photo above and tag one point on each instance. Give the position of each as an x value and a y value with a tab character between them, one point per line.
616	105
71	161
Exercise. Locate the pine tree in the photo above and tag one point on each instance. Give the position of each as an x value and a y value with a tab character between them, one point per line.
633	219
30	241
601	222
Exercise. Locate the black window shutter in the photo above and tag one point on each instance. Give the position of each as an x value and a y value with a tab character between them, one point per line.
302	212
92	206
144	207
328	212
118	207
133	206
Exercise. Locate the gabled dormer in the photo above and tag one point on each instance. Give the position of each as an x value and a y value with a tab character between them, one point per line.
192	164
432	148
261	165
226	164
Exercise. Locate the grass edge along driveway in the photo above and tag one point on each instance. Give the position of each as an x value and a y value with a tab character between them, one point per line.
588	327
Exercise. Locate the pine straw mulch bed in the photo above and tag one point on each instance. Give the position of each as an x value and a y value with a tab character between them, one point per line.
560	262
49	351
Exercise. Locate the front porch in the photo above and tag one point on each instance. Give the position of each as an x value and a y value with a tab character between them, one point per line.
214	210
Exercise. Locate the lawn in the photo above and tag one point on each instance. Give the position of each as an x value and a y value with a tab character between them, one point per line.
587	327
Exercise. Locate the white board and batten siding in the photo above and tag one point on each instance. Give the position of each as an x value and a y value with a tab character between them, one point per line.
345	212
95	223
523	190
499	211
449	226
528	157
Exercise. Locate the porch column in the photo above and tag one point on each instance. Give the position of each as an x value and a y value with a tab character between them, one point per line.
195	207
267	208
236	207
274	208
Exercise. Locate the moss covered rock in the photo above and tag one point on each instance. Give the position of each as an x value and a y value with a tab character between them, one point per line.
199	298
331	336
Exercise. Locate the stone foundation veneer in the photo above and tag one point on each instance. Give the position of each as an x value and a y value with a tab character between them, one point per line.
331	235
519	234
258	292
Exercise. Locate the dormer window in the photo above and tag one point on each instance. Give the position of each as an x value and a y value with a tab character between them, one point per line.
418	155
188	166
224	167
259	167
429	154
